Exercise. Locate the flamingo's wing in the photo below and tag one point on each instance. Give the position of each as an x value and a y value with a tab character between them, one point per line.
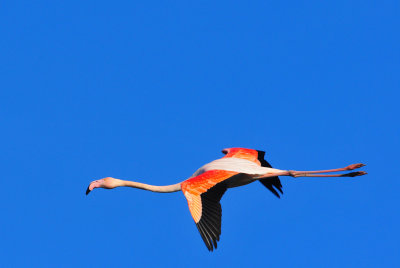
272	183
203	194
243	153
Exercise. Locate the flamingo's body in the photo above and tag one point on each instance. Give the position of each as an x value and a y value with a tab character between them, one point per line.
204	189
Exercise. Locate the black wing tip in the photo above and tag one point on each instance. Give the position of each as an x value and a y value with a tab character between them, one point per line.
279	189
277	195
275	192
271	182
272	186
210	240
209	236
209	225
87	191
204	236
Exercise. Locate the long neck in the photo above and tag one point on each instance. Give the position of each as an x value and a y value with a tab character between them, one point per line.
159	189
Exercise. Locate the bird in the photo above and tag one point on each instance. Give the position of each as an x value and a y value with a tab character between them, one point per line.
205	188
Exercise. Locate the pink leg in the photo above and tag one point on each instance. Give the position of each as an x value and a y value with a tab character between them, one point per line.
350	167
296	174
351	174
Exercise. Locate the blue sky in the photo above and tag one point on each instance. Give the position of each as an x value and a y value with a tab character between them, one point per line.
151	90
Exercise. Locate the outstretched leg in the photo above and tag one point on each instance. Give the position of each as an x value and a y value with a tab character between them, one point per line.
314	173
351	174
350	167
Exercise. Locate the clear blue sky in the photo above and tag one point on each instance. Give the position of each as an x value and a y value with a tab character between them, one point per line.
152	90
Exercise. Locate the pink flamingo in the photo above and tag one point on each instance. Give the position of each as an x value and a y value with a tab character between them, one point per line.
204	189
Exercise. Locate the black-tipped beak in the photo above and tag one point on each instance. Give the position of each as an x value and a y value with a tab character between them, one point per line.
87	191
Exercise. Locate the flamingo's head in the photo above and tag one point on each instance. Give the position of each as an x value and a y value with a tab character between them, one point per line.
106	183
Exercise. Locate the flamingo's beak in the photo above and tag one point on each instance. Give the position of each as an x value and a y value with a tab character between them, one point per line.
107	183
92	185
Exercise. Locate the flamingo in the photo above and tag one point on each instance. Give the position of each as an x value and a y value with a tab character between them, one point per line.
205	188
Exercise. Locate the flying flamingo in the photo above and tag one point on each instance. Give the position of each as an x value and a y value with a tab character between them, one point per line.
204	189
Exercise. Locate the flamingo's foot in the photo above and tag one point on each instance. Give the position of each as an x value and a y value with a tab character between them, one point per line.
354	166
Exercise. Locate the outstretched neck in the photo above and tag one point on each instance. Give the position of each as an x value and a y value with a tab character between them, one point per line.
159	189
